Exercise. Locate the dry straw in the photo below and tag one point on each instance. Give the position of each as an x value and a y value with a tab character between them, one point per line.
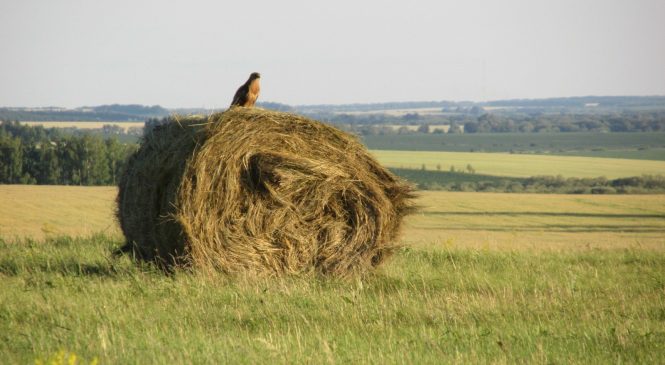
263	192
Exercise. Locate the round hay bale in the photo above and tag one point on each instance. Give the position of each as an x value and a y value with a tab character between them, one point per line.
257	191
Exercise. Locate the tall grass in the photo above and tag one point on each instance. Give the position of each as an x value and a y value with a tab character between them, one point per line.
428	305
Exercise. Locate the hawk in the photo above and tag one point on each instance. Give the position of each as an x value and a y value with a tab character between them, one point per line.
248	92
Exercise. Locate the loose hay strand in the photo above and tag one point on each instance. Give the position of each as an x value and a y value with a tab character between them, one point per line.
263	192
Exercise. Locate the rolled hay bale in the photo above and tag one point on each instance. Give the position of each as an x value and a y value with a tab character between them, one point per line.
257	191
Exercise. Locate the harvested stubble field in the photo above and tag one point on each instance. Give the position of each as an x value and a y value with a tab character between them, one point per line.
483	278
38	211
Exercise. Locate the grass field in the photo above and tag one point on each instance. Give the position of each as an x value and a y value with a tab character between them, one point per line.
518	165
639	145
425	306
490	278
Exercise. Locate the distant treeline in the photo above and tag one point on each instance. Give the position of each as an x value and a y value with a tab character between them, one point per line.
330	108
36	155
520	111
459	181
583	101
632	121
577	102
502	122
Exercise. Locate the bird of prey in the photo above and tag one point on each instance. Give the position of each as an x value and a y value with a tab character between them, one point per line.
248	92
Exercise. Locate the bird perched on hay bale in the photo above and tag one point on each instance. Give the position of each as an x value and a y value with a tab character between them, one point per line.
263	192
247	94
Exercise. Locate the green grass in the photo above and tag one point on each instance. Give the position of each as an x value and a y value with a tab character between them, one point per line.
641	145
520	165
425	306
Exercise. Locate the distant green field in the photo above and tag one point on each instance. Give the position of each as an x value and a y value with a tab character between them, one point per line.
644	146
517	165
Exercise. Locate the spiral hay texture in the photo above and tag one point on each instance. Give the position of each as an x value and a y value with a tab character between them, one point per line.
263	192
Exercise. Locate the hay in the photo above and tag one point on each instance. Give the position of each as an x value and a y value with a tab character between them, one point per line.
257	191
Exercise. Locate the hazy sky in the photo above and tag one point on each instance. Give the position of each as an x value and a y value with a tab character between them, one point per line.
196	53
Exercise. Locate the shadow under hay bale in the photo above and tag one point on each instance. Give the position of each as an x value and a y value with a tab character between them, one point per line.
257	191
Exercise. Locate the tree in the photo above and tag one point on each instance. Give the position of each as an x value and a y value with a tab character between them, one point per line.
117	154
476	110
94	166
470	127
11	160
526	127
454	128
69	161
404	130
411	117
49	165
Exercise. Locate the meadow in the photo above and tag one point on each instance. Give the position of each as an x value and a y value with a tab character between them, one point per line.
520	165
636	145
481	277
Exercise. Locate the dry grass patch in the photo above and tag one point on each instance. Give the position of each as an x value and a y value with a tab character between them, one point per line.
40	211
537	221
